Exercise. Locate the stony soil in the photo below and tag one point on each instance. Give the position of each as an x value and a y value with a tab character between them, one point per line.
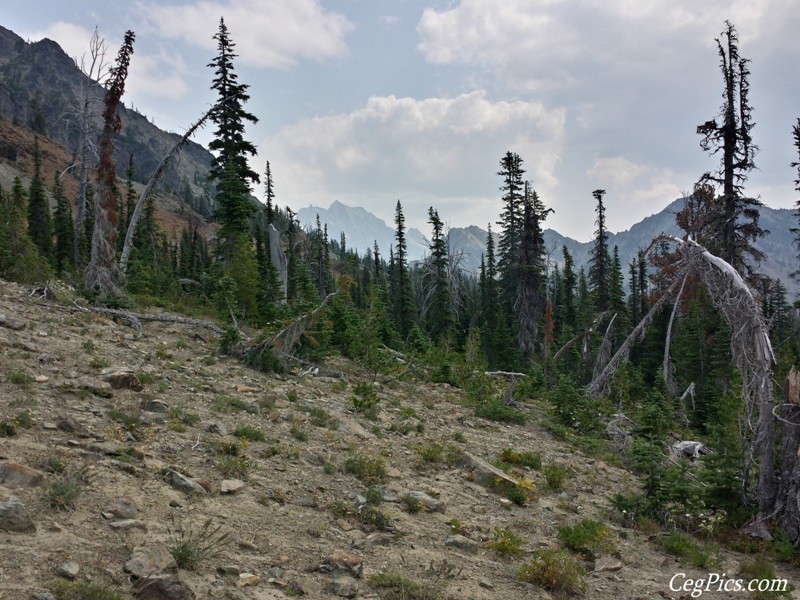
294	523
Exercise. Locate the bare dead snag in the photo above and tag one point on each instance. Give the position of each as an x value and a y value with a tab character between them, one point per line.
666	365
581	336
604	354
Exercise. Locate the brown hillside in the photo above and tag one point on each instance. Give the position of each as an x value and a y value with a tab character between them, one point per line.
16	160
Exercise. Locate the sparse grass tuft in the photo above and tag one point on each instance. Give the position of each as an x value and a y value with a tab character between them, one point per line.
129	420
19	378
233	466
505	542
227	404
251	434
367	468
365	400
761	569
189	547
556	475
321	418
79	590
63	493
298	433
555	570
396	587
494	409
412	504
369	515
532	460
685	548
588	538
7	429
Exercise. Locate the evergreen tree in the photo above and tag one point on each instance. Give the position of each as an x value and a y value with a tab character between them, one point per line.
229	166
599	258
64	233
511	223
405	310
735	220
269	189
40	228
530	296
439	318
568	313
616	288
19	257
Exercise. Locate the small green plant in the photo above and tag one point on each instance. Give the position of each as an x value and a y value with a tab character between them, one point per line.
320	418
227	404
146	378
63	493
411	503
7	429
365	399
588	538
459	437
129	420
374	496
99	363
19	378
24	419
228	448
298	433
79	590
555	570
397	587
367	468
431	452
53	464
329	468
505	542
189	547
369	515
532	460
88	346
179	413
251	434
233	466
555	475
495	409
291	396
762	570
229	340
456	526
685	548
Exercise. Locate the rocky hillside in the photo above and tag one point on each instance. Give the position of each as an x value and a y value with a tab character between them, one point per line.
121	451
40	88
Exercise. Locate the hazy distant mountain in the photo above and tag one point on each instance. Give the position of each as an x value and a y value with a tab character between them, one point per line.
362	227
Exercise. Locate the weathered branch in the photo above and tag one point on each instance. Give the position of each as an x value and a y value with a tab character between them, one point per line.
581	336
666	369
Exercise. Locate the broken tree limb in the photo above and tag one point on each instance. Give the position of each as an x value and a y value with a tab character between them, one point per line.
581	336
604	354
600	385
283	343
666	365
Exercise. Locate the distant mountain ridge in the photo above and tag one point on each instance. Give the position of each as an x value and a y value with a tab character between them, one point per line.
362	228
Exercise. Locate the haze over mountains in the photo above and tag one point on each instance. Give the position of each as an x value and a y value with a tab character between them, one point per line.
362	229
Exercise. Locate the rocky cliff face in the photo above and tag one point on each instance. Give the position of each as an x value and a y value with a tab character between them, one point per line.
40	88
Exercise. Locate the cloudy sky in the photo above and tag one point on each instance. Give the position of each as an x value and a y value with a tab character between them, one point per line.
370	101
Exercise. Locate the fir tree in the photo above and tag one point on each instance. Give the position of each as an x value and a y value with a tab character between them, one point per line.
568	316
19	257
439	316
405	310
40	228
229	166
64	233
599	258
511	219
269	193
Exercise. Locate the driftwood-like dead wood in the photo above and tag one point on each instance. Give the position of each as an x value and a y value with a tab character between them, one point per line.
283	343
581	336
601	384
666	365
508	395
604	354
137	211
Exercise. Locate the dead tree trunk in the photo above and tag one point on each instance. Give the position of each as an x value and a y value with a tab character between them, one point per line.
787	506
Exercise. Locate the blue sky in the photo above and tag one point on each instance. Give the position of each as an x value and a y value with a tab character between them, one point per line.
370	101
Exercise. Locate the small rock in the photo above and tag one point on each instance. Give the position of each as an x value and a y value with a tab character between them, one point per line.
462	543
68	570
307	500
249	546
428	502
129	524
122	508
49	426
345	587
41	379
70	425
608	564
108	447
394	473
10	323
15	475
250	406
184	483
342	561
148	561
43	596
163	588
218	427
351	426
344	525
122	378
230	486
245	389
229	570
311	458
486	584
276	572
248	580
155	406
95	386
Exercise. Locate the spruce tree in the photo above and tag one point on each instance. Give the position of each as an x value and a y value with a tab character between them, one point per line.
568	314
40	228
511	219
269	193
229	166
405	308
64	233
19	257
439	318
599	258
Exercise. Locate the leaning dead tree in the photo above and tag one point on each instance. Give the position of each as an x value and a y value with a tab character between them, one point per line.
752	355
103	275
137	212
